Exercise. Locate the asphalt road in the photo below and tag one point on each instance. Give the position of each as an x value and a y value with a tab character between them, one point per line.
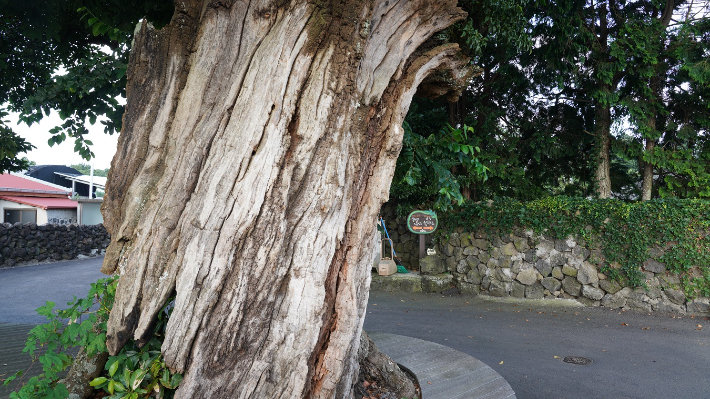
23	289
633	355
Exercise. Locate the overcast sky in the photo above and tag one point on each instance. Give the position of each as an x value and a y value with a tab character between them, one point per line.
63	154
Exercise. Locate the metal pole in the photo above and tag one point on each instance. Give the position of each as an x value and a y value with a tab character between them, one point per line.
91	181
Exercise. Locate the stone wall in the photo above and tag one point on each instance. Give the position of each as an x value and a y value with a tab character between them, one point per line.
537	267
21	243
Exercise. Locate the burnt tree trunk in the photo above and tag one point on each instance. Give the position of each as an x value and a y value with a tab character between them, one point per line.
259	141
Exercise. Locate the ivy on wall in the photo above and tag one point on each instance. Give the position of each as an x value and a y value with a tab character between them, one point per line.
673	231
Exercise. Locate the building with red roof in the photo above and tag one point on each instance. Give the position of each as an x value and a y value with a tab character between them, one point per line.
24	199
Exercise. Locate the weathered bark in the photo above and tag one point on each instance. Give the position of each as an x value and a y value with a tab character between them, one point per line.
259	142
602	129
83	370
375	365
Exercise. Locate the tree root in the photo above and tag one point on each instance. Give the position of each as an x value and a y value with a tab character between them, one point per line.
82	372
380	372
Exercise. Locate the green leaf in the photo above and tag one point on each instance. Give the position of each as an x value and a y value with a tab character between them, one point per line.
120	73
47	309
126	376
8	380
96	29
98	381
60	392
136	379
112	369
119	387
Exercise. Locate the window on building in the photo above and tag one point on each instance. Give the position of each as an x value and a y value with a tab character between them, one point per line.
20	215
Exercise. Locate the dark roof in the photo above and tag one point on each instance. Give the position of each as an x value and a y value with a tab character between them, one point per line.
47	173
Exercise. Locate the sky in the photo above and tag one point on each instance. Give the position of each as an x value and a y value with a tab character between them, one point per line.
63	154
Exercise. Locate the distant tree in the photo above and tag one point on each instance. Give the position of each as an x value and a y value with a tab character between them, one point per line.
11	146
85	169
445	158
55	57
574	113
667	93
531	143
629	60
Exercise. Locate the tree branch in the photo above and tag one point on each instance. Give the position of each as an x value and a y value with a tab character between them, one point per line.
667	13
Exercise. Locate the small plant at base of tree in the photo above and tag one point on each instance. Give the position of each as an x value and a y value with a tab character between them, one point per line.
133	373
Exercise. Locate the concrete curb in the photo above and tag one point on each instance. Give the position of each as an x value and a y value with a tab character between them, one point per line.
444	373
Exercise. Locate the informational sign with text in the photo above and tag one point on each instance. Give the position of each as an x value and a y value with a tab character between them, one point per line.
422	222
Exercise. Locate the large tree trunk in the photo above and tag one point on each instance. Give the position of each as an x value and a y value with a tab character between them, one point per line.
602	130
259	142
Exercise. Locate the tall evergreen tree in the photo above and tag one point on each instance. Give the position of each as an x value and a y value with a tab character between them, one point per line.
666	95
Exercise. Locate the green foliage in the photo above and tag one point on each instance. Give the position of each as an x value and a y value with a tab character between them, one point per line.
434	159
11	145
86	326
69	56
140	372
493	23
136	372
624	232
551	74
666	94
85	169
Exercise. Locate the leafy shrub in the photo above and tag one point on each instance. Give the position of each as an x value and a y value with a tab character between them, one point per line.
136	372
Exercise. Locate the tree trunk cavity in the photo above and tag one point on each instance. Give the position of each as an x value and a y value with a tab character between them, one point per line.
259	141
602	129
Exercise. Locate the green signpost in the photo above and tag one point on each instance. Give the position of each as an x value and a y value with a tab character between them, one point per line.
422	222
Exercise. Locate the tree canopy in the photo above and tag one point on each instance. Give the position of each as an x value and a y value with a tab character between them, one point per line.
69	56
569	102
577	97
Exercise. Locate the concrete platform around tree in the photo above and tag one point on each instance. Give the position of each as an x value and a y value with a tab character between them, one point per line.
444	373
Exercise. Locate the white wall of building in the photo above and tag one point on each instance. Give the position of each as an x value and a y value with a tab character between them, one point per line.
90	213
41	213
61	216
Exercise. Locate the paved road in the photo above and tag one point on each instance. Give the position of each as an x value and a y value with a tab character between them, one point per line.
633	355
24	289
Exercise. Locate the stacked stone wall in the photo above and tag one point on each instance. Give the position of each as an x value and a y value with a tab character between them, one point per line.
537	267
26	243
